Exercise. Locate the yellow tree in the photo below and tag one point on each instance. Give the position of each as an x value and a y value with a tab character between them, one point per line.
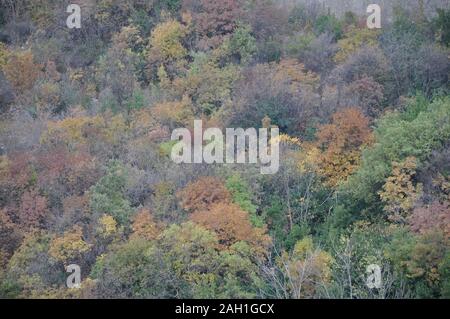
354	40
166	40
399	193
70	246
232	224
340	144
294	72
144	226
175	113
302	272
166	46
21	71
3	55
107	226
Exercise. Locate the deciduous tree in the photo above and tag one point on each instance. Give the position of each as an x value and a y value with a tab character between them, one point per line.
231	224
203	193
341	143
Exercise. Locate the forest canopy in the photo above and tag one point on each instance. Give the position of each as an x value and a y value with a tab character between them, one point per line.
86	177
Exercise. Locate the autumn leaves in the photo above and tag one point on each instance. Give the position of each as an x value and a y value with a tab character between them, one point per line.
210	204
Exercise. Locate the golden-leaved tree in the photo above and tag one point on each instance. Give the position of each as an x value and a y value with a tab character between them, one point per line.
70	246
144	226
340	144
232	224
400	193
203	193
166	47
21	70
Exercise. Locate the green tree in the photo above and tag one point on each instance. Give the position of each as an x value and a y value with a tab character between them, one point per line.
328	24
242	43
242	196
397	137
107	196
442	26
422	260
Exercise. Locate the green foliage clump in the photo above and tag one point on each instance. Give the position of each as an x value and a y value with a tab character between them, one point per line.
243	43
182	262
399	136
240	192
329	24
442	26
107	196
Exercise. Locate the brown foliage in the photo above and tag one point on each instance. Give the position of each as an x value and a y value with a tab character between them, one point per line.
66	171
203	193
435	216
341	143
21	71
75	208
369	94
176	113
215	20
348	131
267	18
33	210
19	169
231	224
9	237
144	225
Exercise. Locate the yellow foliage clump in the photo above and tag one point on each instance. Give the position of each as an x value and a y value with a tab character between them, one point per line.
142	122
83	129
399	192
296	72
69	246
176	112
164	81
340	145
4	167
354	40
107	226
443	184
21	71
208	85
289	140
116	126
71	129
308	157
49	96
165	40
337	167
3	55
306	267
144	226
128	38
